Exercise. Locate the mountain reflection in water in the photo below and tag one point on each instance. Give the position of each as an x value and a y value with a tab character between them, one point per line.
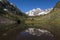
35	34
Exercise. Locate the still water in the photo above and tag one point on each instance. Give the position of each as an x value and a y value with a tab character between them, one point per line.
35	34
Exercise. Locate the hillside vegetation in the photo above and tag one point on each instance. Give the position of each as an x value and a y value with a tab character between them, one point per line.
11	20
50	21
10	13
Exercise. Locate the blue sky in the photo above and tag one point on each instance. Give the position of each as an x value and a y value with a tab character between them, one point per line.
26	5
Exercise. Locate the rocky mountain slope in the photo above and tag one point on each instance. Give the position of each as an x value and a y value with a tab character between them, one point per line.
9	11
9	7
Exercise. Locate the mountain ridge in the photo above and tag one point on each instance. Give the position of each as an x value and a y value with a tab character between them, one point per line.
38	12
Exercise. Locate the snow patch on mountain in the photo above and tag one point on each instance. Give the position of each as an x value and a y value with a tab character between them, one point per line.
38	12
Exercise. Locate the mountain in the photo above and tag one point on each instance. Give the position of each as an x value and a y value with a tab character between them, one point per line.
11	20
49	21
9	9
57	5
6	6
10	13
38	12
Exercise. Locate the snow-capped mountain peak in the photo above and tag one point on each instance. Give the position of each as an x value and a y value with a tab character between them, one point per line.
38	11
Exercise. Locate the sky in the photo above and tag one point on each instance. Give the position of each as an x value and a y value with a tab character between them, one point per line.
26	5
